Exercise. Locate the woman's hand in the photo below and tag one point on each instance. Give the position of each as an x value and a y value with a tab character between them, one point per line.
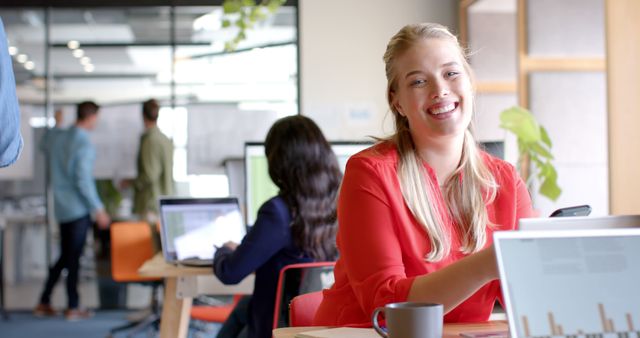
230	245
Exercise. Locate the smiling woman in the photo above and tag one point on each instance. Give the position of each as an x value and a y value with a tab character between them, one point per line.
432	91
417	211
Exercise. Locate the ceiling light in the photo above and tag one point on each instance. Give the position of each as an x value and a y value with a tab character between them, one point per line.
22	58
13	50
89	68
73	44
78	53
38	121
29	65
85	60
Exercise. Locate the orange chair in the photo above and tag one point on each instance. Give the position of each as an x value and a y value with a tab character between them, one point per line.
131	246
299	279
213	313
303	308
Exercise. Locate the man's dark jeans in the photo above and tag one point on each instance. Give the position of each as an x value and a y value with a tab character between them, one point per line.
73	235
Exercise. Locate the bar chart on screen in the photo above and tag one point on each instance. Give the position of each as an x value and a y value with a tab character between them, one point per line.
574	286
608	328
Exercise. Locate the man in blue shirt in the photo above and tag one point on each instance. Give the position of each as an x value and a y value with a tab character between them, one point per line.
10	139
71	158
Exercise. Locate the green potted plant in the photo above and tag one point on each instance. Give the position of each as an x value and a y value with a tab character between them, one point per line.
245	14
534	148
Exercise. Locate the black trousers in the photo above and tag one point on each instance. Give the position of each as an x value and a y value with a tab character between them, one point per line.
73	235
236	325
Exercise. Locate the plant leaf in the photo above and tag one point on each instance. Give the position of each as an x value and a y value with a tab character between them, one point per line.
229	46
231	6
522	123
533	143
539	149
550	188
545	137
273	5
248	13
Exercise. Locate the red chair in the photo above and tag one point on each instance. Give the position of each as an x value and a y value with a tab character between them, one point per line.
298	279
303	308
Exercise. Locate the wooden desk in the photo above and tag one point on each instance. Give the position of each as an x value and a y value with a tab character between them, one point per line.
182	283
450	330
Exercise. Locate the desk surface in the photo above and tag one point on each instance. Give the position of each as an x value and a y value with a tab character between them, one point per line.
21	219
181	284
450	330
157	267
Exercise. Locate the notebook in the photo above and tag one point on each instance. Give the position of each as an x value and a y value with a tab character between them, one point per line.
192	228
577	223
568	283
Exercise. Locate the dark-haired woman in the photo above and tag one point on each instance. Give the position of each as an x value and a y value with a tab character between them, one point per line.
298	225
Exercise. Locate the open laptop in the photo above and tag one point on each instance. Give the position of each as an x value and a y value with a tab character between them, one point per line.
192	228
570	283
579	223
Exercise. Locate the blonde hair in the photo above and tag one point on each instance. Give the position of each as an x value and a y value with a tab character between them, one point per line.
469	188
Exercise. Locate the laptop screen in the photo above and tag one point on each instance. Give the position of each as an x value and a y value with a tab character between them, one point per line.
568	283
580	223
193	227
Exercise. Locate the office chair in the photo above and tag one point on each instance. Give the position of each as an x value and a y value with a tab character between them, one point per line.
210	314
131	246
299	279
303	308
214	313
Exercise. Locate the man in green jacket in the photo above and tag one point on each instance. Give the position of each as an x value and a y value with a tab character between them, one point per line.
155	166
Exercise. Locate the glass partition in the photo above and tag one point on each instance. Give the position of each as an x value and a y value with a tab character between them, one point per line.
122	56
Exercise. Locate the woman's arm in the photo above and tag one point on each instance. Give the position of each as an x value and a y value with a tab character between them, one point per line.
10	140
270	233
455	283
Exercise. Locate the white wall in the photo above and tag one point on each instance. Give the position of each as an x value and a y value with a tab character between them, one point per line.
342	73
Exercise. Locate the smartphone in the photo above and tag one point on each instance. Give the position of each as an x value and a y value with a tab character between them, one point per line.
578	210
486	334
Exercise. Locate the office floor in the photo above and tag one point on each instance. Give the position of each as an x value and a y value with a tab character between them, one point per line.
25	295
21	298
23	324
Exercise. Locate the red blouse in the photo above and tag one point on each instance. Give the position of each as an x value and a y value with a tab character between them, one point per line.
382	246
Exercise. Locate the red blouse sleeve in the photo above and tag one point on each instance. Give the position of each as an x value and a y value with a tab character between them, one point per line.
367	239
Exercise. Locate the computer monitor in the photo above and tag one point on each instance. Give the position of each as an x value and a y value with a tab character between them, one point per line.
579	223
345	149
258	184
495	148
